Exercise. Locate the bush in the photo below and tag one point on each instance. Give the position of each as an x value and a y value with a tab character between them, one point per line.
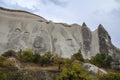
110	76
77	56
47	59
74	71
2	59
9	64
27	56
9	53
36	58
2	76
101	60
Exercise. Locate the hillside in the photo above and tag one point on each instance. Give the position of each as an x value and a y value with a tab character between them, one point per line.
22	30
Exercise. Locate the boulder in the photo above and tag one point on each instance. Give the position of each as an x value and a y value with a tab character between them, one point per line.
93	70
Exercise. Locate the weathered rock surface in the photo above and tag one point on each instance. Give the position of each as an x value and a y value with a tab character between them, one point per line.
93	70
21	30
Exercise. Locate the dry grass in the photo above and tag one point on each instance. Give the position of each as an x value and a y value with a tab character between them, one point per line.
34	67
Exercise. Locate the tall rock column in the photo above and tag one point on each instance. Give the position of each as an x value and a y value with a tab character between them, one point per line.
87	38
104	40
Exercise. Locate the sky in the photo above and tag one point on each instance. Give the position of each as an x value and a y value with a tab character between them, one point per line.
92	12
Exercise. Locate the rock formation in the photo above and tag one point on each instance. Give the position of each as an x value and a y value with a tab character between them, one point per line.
93	70
21	30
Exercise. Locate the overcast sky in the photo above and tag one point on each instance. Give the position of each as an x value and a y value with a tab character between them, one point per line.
92	12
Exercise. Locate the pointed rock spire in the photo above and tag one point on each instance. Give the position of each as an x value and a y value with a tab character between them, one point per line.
101	28
103	32
84	24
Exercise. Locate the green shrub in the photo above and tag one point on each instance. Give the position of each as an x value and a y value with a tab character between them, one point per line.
74	71
2	59
101	60
6	63
27	56
9	53
2	76
46	59
9	64
36	58
110	76
77	56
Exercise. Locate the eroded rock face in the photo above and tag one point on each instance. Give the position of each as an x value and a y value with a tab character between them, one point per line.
104	40
87	39
21	30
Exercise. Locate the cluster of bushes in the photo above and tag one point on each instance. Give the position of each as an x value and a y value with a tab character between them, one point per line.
28	56
46	59
102	60
74	71
9	53
71	68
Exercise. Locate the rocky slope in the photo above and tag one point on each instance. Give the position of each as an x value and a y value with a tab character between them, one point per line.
21	30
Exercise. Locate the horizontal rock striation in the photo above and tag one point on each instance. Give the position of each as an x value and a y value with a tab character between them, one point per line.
21	30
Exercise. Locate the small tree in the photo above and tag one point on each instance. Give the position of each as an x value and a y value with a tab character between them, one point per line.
77	56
